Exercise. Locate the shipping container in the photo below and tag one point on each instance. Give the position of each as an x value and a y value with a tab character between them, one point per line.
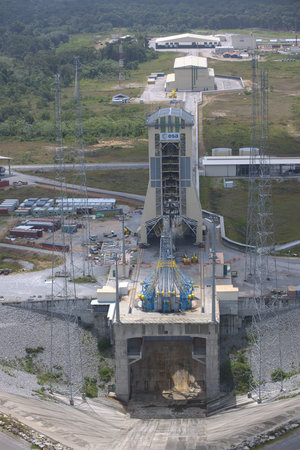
45	226
4	183
3	210
26	233
70	229
22	211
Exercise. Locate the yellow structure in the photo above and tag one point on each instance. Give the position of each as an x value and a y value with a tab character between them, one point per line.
173	94
172	184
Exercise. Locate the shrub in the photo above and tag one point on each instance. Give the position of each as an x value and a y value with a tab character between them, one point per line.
278	375
237	373
106	373
90	388
103	345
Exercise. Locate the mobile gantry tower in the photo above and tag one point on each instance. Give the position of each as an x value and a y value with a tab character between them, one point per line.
172	185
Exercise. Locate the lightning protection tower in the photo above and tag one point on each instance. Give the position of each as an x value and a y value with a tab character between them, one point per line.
84	265
63	293
260	238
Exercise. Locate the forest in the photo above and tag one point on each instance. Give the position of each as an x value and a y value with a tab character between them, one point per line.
72	16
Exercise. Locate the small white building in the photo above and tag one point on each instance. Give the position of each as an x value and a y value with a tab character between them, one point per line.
120	98
191	73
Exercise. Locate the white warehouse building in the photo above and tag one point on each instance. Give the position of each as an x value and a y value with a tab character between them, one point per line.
187	40
238	166
191	73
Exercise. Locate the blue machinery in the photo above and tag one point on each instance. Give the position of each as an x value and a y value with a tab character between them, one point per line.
167	289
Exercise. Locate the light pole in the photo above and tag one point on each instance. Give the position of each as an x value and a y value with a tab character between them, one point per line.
214	258
123	240
117	290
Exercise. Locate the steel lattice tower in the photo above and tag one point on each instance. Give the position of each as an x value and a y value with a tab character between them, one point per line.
252	204
63	293
85	267
260	239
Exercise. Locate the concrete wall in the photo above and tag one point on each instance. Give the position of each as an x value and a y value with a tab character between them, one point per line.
220	171
210	332
80	308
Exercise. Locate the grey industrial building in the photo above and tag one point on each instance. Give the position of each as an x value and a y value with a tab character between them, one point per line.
191	73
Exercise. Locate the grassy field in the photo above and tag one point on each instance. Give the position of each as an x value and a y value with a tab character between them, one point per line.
227	116
257	32
107	150
163	63
132	181
232	204
11	259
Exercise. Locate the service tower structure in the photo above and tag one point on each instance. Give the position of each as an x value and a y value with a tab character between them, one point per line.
172	185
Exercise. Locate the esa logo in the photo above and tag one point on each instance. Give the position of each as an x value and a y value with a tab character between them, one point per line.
169	136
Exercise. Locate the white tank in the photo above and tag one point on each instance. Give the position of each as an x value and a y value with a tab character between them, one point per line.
221	151
246	151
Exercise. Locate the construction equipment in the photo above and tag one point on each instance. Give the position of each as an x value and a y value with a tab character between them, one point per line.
173	94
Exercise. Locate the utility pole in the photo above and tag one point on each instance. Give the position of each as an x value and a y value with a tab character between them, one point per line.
121	61
214	258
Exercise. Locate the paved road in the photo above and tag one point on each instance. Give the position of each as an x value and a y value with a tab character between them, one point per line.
290	442
11	443
285	269
90	166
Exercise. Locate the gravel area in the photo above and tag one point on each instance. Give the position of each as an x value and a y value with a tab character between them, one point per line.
20	329
284	329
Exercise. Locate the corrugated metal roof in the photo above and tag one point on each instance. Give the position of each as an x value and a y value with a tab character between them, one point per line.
174	112
190	61
187	37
